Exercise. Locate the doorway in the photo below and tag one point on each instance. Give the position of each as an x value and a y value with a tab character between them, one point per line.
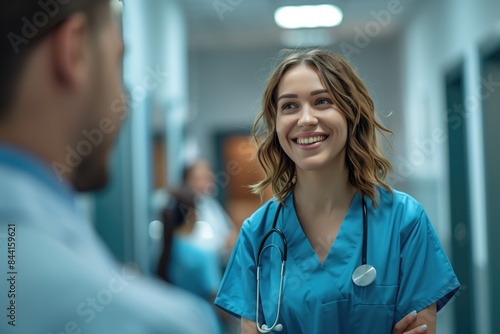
236	157
458	171
490	93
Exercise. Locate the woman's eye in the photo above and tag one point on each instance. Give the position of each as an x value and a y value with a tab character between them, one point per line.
324	101
287	106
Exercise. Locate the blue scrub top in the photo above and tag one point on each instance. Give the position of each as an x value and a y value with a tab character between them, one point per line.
413	271
194	268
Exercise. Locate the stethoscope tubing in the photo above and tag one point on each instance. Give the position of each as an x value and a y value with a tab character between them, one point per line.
364	270
365	234
285	243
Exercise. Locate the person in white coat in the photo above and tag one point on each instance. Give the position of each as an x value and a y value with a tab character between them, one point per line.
213	229
61	77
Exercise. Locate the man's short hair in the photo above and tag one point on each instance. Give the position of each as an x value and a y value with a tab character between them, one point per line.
22	24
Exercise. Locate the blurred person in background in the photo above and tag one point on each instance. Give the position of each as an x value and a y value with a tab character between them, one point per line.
61	65
213	229
185	263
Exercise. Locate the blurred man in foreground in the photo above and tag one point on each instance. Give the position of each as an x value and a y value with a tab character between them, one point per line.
60	87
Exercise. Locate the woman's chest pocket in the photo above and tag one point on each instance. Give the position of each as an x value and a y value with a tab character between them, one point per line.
374	309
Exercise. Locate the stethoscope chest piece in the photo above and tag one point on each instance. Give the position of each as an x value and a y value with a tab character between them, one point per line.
364	275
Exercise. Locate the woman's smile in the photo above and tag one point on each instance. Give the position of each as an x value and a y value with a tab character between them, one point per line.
310	142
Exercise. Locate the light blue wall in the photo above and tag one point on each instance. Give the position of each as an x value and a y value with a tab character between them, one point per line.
436	38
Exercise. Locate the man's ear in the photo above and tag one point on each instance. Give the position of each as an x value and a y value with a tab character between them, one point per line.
70	50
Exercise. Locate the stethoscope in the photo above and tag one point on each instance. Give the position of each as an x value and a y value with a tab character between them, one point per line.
364	275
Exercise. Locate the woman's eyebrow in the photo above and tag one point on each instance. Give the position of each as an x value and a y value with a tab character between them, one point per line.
287	96
294	96
319	91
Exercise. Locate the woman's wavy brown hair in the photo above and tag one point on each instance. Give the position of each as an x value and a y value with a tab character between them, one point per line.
366	164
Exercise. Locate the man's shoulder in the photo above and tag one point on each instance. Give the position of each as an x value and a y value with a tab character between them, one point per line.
99	295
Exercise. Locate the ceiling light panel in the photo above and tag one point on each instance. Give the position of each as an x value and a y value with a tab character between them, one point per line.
298	17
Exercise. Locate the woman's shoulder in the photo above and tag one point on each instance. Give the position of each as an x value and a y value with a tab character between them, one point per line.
261	219
399	198
404	212
402	206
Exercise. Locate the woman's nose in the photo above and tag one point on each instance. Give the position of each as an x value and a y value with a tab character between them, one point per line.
307	117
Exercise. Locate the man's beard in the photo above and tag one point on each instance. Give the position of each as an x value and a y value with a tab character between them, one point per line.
92	173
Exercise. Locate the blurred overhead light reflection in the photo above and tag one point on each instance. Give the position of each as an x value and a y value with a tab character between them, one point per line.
206	231
156	230
306	38
296	17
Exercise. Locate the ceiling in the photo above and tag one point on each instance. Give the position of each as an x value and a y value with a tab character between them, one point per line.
250	23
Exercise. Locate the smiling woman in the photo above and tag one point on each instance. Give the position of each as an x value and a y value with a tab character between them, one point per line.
296	265
335	87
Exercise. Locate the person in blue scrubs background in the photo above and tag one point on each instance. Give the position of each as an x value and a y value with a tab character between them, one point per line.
317	135
185	262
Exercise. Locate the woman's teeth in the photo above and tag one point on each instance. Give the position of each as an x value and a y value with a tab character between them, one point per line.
310	140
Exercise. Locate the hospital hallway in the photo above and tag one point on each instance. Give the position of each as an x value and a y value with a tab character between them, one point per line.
195	73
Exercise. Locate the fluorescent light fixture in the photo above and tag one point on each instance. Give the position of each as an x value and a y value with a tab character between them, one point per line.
296	17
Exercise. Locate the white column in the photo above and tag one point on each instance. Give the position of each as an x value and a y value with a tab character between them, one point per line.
136	75
176	62
167	49
156	75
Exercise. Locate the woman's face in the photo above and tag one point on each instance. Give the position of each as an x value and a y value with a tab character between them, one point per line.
201	178
310	128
